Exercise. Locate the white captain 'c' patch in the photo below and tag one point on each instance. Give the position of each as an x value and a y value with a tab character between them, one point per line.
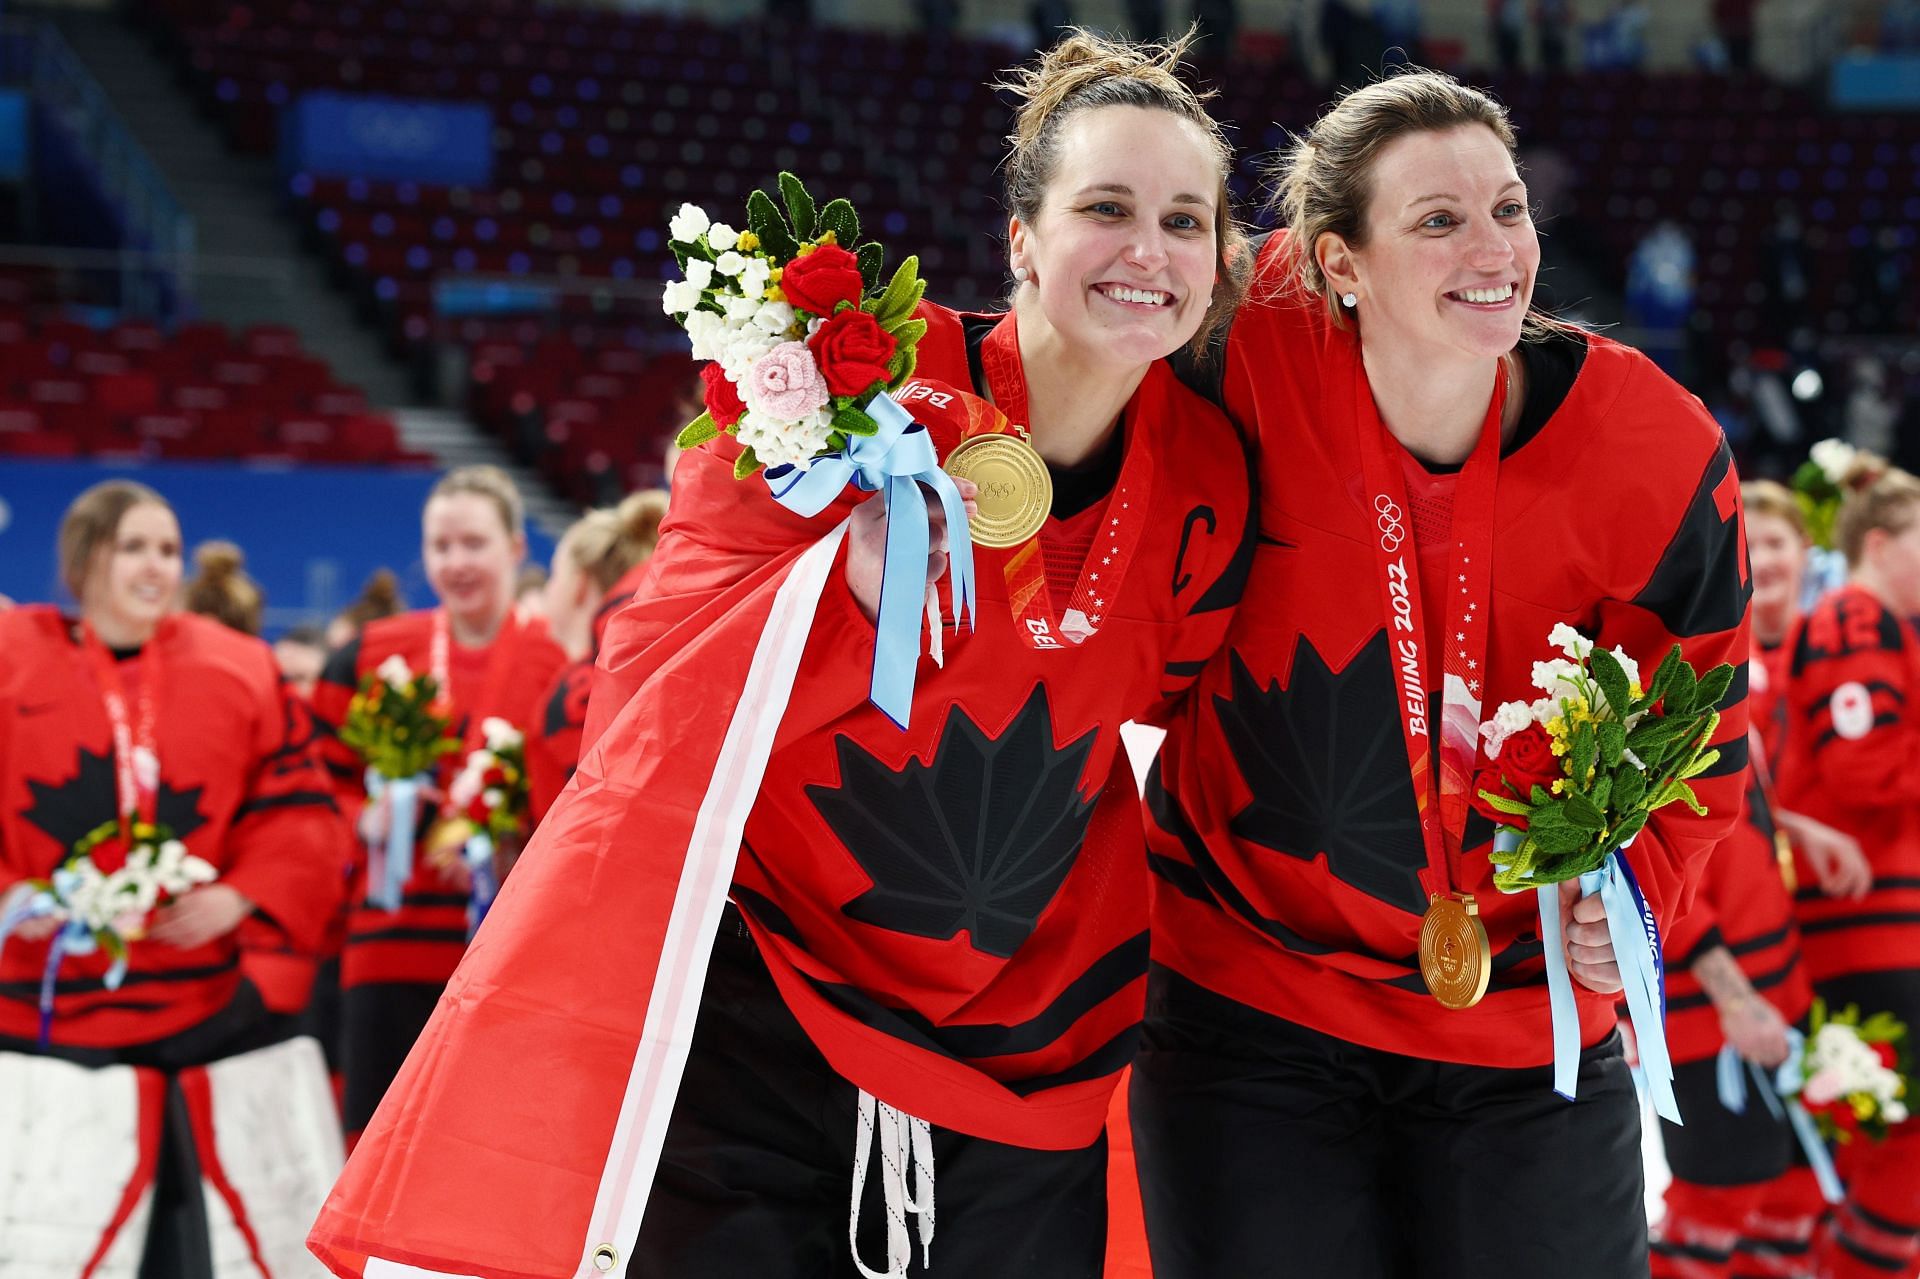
1852	708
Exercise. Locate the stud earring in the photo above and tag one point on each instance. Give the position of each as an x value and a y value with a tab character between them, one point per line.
1020	274
1350	300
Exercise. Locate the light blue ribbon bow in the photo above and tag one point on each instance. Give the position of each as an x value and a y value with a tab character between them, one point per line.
73	938
1636	948
478	855
1781	1094
403	823
894	463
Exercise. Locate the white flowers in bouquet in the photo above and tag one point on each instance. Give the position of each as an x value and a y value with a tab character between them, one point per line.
1567	688
735	319
1840	1064
119	901
1834	458
499	734
395	673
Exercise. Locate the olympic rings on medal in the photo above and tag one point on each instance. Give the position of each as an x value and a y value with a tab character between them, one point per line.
1387	520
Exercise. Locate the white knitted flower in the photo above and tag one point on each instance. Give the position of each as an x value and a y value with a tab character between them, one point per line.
689	224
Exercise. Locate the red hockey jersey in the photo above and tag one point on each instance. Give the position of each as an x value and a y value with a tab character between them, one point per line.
955	912
553	740
1742	904
240	785
1852	760
1285	835
422	941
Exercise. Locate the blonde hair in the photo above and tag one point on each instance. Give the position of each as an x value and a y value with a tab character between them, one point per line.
606	543
1084	72
489	482
221	588
1323	182
1770	497
93	520
1888	501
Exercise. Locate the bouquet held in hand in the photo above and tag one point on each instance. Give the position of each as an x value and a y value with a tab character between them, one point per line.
1577	772
1571	779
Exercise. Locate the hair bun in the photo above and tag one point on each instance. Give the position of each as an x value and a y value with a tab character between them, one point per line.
1862	471
218	561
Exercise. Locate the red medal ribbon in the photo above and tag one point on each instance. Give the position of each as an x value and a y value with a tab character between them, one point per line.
1028	592
1443	806
136	755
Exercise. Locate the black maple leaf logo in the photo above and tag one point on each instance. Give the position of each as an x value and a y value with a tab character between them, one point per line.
977	840
69	810
1325	763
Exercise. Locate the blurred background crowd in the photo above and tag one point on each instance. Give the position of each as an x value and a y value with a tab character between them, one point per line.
345	244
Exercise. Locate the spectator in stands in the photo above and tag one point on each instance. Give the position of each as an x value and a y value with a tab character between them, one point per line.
1733	23
1900	26
1509	26
1871	411
301	652
222	590
938	18
1350	39
379	598
1879	282
1551	18
1217	22
1146	19
1399	25
1660	293
1784	274
1618	42
1049	19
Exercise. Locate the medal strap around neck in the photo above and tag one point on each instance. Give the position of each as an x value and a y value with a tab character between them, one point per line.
1442	801
136	755
1028	591
502	654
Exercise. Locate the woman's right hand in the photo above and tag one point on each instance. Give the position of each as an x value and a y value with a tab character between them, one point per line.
375	817
867	545
39	928
1838	862
1755	1029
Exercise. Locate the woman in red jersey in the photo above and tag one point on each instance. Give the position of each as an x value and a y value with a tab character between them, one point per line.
131	709
1852	759
395	962
1735	976
1417	428
595	569
938	931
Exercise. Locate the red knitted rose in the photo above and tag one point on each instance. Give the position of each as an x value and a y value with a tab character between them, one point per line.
821	280
723	397
852	351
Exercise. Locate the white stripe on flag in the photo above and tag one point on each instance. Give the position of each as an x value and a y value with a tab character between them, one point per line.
661	1057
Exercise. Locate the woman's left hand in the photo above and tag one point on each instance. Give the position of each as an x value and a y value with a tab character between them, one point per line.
1590	957
210	911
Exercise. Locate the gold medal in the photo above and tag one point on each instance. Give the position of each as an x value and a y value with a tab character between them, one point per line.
1016	492
1783	853
1455	958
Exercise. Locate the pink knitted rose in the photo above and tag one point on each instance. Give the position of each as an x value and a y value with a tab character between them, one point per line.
785	384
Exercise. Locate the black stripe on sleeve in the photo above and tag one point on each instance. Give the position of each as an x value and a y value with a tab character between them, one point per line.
1700	586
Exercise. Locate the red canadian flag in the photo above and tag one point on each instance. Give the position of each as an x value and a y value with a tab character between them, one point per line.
521	1137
